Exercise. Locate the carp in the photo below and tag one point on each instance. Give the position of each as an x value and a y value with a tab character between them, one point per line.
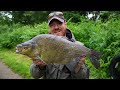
56	49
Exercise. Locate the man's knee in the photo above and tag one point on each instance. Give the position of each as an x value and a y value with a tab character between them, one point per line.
35	71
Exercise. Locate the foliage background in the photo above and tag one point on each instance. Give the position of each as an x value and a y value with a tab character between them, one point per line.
101	35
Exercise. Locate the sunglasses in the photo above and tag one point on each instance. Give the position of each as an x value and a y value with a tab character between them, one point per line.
59	14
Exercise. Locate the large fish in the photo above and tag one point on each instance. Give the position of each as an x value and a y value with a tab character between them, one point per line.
56	49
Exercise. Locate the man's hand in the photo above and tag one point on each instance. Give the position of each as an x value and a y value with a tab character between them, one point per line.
40	63
79	65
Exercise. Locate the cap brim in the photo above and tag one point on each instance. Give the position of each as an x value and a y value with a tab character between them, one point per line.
61	20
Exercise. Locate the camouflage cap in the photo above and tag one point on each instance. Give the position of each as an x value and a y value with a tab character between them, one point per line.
56	15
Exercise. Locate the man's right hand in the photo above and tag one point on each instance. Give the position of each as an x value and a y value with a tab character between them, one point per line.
40	63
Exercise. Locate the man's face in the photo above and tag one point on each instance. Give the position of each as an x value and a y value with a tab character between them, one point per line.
57	27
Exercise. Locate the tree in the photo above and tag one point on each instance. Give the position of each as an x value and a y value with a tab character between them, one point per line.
29	17
5	17
74	15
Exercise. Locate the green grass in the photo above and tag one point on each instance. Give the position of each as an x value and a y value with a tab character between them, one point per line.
18	63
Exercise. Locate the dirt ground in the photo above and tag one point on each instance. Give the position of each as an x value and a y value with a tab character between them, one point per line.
7	73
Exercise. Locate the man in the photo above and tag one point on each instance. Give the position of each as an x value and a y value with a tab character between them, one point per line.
76	69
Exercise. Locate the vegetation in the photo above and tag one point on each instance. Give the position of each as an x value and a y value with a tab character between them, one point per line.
101	35
14	61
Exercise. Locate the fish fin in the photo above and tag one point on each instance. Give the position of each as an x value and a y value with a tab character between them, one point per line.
41	59
94	57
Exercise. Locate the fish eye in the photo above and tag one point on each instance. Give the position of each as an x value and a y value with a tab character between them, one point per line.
25	47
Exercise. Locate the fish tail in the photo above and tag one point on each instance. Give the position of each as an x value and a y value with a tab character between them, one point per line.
94	57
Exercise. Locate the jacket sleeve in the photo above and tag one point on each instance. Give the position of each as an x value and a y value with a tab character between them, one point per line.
73	37
36	72
83	73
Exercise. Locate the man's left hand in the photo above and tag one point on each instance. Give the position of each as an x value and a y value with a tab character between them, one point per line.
80	63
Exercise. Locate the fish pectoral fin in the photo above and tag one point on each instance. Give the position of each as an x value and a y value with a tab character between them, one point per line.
39	58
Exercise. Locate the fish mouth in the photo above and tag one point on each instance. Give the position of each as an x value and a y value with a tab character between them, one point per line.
18	50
